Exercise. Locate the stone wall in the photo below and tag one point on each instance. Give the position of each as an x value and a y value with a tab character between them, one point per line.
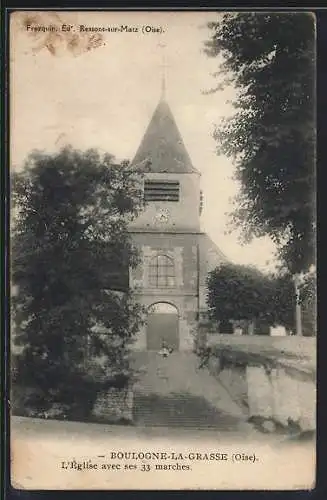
278	397
114	406
182	248
282	397
274	386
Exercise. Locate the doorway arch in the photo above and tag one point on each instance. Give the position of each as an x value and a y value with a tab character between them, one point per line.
162	326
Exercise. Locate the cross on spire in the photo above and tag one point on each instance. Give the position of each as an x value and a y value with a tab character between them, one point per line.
163	70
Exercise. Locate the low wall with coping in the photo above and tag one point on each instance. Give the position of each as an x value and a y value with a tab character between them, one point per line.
298	346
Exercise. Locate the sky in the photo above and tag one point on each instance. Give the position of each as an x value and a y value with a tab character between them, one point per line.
99	90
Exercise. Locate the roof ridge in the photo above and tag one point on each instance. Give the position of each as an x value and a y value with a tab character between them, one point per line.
215	245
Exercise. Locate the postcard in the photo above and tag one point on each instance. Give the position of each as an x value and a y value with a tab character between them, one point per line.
163	331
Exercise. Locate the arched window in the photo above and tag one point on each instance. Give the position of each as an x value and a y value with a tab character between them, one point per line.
162	272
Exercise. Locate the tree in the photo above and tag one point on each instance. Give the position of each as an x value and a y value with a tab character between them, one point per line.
308	301
283	302
281	307
237	292
270	61
71	254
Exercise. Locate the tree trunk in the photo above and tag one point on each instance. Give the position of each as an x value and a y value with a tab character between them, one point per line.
251	326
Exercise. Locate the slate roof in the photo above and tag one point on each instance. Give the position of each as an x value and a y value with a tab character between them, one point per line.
162	146
211	252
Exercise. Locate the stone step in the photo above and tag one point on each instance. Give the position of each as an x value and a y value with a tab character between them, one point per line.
183	411
180	374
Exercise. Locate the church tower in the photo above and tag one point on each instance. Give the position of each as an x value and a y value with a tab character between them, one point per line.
172	184
176	256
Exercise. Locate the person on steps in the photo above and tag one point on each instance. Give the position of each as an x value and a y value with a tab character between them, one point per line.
165	349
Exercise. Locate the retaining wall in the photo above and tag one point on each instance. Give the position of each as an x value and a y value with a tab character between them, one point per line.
270	378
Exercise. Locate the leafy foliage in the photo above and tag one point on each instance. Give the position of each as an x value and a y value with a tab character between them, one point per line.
71	254
308	289
282	302
308	299
237	292
269	59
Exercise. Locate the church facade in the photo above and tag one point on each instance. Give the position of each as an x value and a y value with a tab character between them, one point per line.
176	255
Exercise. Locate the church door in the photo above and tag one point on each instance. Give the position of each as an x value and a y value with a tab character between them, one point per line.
162	326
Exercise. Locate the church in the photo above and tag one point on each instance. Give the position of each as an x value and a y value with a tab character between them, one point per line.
176	256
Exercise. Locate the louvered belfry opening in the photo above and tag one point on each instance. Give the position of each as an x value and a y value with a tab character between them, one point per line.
161	190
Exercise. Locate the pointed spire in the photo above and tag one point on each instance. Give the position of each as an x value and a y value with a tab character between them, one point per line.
162	144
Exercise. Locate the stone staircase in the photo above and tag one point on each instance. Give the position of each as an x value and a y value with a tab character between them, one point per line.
174	392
